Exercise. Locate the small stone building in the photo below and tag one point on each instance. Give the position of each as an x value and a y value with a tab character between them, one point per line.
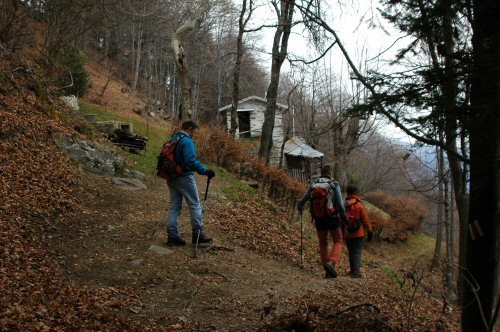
251	111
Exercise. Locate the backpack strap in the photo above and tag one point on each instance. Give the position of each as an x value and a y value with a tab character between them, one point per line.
333	185
181	136
353	201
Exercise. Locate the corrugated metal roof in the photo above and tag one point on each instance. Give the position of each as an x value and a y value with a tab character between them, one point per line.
296	147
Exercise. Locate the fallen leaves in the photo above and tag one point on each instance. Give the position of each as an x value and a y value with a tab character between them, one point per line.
38	184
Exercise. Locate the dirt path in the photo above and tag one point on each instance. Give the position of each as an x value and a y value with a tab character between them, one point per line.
226	287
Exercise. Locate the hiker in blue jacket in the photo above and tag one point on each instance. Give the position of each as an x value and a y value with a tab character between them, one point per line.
184	186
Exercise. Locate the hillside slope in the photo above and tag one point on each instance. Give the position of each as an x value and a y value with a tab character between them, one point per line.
241	283
76	248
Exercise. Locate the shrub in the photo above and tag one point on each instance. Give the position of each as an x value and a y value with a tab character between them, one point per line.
216	146
406	215
378	220
74	79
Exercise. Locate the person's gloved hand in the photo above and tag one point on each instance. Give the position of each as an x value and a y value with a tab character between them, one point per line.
370	236
210	173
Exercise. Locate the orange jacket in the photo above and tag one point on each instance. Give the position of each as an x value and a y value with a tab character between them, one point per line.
351	199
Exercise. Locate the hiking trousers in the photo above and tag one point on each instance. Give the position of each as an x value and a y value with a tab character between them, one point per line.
332	255
355	248
183	187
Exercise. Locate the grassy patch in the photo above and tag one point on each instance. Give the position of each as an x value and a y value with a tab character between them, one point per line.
370	207
232	187
418	246
390	274
145	161
102	114
422	241
417	251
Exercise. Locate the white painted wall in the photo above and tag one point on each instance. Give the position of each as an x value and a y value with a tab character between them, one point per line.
257	120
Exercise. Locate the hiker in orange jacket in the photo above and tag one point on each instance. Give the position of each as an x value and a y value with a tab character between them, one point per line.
355	238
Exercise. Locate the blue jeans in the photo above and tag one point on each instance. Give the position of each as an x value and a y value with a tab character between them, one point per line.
183	187
355	248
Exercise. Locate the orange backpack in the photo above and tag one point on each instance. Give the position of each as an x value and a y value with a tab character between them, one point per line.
322	204
354	221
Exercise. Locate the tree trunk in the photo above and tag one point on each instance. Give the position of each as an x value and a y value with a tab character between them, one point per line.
157	71
436	260
237	67
448	230
336	151
173	89
451	250
279	53
110	74
106	46
287	137
451	129
132	49
186	107
196	90
138	51
481	254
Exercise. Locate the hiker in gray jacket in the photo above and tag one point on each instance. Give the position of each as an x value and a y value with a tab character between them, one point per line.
327	211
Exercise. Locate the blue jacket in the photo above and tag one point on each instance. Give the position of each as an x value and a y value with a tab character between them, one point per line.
185	155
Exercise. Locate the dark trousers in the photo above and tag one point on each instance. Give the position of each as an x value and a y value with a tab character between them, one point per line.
355	248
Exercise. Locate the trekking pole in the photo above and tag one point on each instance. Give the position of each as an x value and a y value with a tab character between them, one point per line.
147	130
202	210
206	195
301	239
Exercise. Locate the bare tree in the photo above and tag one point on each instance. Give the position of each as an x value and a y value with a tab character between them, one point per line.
284	12
65	22
242	22
138	45
14	23
186	110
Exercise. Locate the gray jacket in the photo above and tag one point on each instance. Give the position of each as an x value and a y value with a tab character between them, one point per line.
337	198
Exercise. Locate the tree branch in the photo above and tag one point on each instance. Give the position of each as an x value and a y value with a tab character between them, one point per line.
376	96
317	59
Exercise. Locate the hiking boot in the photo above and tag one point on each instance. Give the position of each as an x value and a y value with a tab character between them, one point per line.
203	239
357	276
330	271
175	241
